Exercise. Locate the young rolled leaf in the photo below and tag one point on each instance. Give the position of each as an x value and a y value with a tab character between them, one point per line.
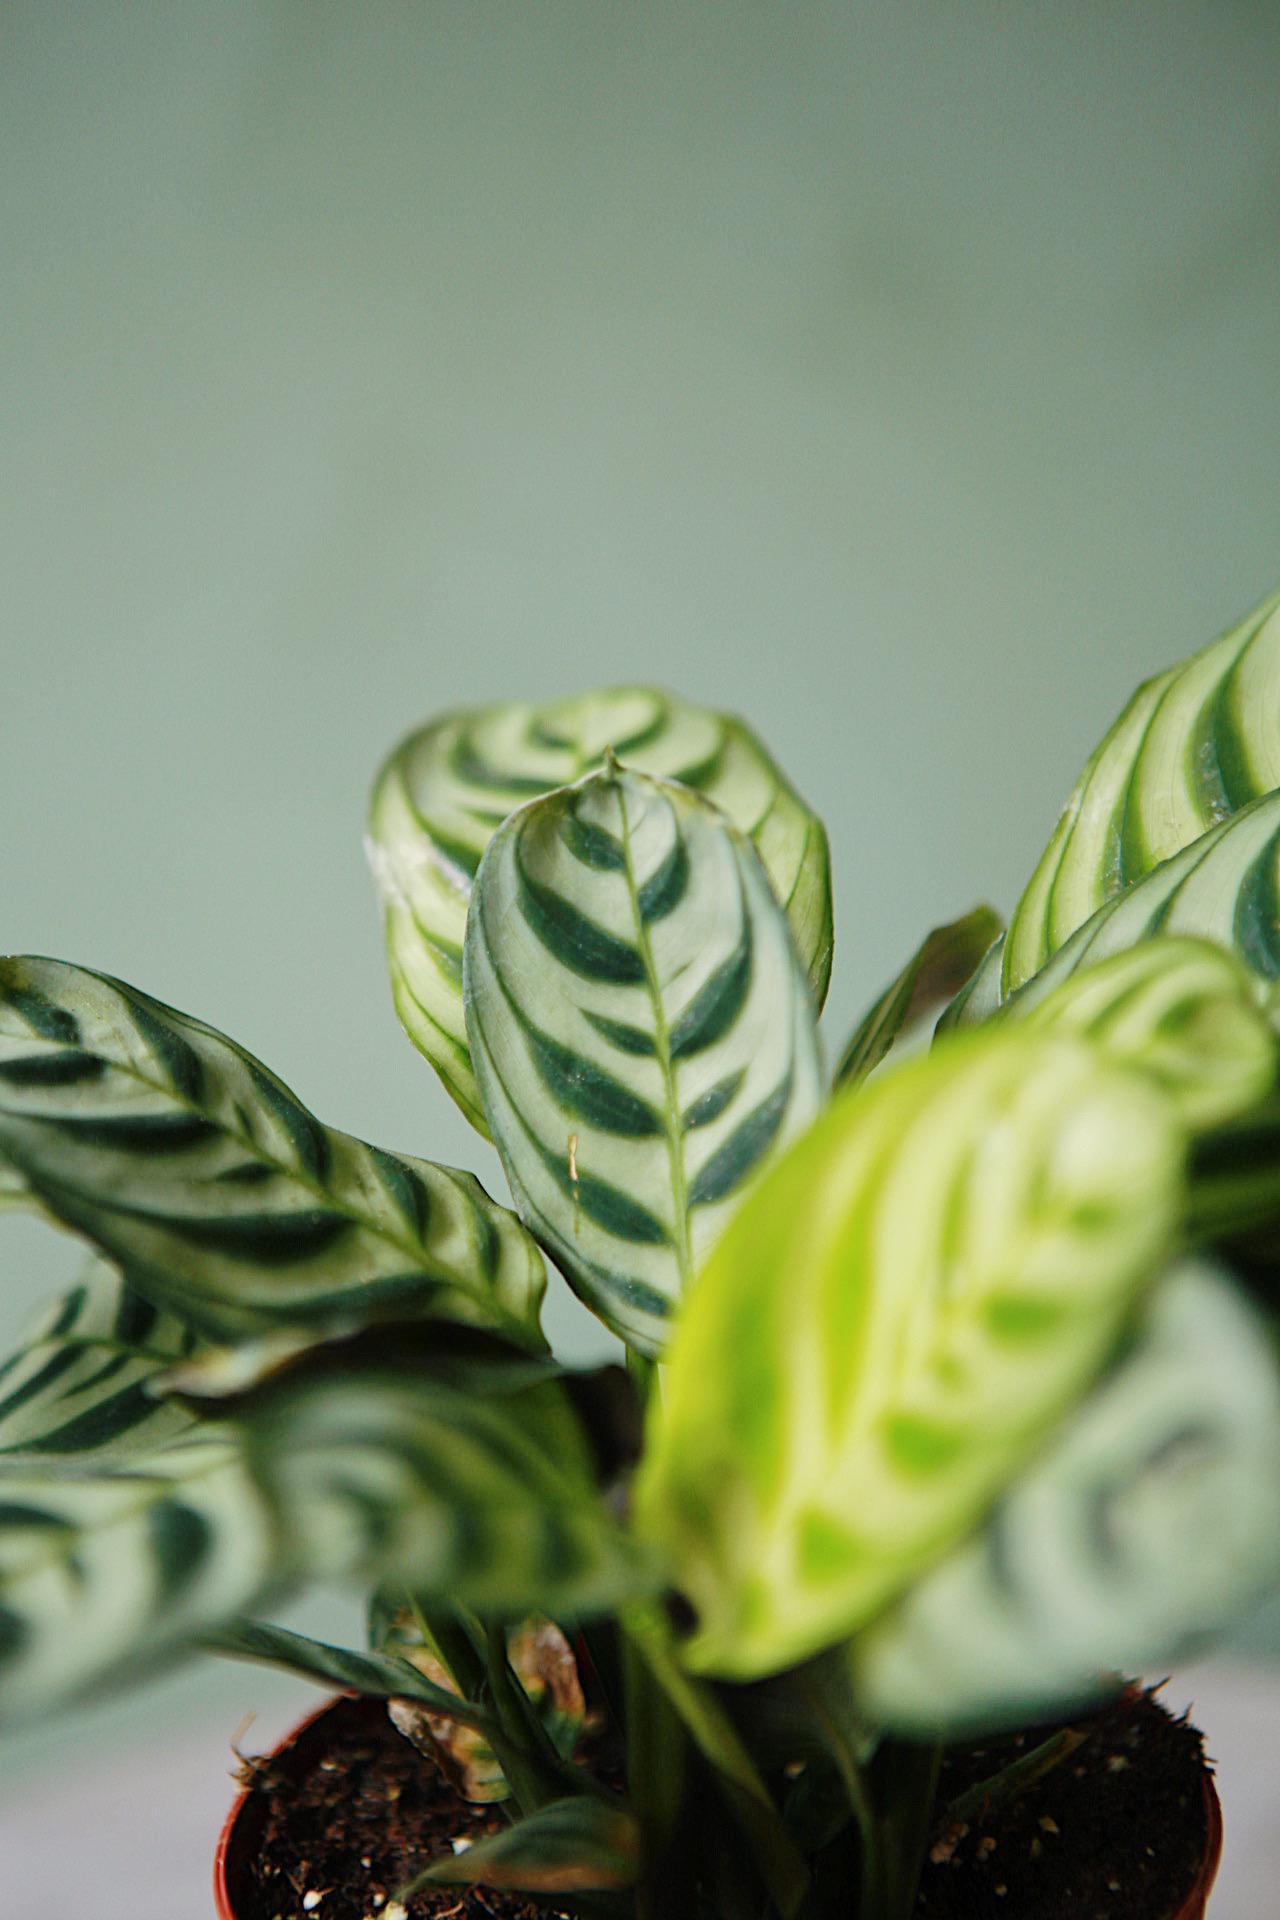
106	1569
937	970
218	1194
581	1845
891	1324
1152	1520
445	789
1195	746
81	1381
1186	1012
643	1033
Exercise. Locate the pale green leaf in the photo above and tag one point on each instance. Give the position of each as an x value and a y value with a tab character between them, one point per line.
1194	746
82	1380
1152	1522
445	789
1184	1011
643	1033
580	1845
889	1327
937	970
216	1191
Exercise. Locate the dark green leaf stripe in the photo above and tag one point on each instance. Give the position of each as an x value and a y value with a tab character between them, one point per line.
643	1033
1222	888
476	1486
106	1568
891	1325
221	1197
938	969
446	788
1152	1520
78	1383
1194	746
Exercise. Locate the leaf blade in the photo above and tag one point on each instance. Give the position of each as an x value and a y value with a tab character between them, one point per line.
625	1164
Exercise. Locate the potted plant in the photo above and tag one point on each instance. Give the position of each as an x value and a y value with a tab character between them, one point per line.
950	1394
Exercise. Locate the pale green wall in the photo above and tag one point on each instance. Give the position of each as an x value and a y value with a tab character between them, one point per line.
904	375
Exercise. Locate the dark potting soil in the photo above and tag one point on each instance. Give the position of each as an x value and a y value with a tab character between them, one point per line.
1115	1831
352	1814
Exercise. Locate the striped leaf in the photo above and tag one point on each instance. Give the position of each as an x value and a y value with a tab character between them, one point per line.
107	1569
938	969
382	1676
80	1382
579	1845
642	1031
351	1466
451	1489
214	1189
1195	746
446	788
1186	1012
890	1326
1152	1521
1224	887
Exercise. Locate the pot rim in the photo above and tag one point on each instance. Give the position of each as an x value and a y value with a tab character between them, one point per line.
1192	1908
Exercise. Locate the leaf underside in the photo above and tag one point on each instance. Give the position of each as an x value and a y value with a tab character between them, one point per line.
444	791
644	1035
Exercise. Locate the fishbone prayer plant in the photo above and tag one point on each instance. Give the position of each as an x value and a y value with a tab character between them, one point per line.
951	1383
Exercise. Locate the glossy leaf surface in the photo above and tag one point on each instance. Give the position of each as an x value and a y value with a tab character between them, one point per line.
215	1190
642	1031
1152	1521
80	1381
890	1325
1196	745
445	789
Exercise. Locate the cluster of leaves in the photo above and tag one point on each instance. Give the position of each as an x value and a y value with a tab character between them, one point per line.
951	1384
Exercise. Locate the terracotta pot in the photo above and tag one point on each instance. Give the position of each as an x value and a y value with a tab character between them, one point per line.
242	1833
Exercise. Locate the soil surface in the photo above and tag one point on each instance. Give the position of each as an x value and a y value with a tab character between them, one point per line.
1116	1830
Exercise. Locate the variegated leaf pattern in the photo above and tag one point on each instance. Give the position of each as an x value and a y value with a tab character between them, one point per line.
80	1381
1224	888
642	1030
1195	745
1152	1521
220	1196
445	789
486	1499
1185	1011
378	1472
890	1326
107	1569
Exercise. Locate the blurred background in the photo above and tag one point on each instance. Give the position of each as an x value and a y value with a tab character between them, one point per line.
906	377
